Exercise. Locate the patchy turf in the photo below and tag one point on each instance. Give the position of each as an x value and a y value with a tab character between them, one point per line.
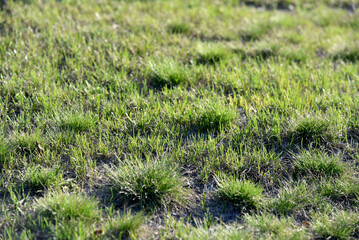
162	119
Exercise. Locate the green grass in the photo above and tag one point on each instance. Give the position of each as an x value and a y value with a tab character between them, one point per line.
62	214
150	184
317	164
211	54
38	178
242	193
167	73
273	227
335	225
124	226
170	117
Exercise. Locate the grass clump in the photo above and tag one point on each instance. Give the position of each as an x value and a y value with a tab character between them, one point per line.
212	115
38	178
347	55
335	225
24	143
123	226
4	152
150	184
78	122
177	28
243	193
167	73
340	191
211	54
311	130
64	215
294	198
273	227
318	164
67	207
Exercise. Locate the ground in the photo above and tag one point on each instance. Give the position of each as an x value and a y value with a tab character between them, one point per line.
158	119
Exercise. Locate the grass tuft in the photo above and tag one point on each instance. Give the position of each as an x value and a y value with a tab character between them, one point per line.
63	215
275	228
211	54
122	226
37	178
212	115
311	130
150	184
67	207
177	28
78	122
167	73
318	164
347	55
335	225
340	191
294	198
243	193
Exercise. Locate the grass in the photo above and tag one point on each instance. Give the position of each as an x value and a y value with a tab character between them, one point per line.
273	227
164	119
336	225
295	198
151	184
311	130
38	178
167	73
242	193
124	226
317	164
211	54
61	214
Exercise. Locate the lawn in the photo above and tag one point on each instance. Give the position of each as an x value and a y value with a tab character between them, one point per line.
195	119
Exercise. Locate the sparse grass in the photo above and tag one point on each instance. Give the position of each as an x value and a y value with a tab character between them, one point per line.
242	193
150	184
171	94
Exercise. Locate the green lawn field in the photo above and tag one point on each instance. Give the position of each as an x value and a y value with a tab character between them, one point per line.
193	119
